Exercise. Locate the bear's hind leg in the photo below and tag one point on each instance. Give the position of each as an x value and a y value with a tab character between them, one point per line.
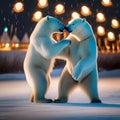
43	100
89	85
39	87
65	85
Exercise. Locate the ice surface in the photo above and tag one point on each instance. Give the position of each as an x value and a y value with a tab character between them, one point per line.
15	105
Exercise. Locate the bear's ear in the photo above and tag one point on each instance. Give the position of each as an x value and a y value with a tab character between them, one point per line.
48	18
83	20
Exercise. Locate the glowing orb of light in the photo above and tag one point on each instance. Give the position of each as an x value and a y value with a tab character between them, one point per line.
75	15
100	17
6	29
16	45
59	9
37	16
106	2
100	30
85	11
115	23
42	3
111	36
18	7
7	45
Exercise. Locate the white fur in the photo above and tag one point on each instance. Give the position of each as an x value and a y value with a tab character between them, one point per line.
38	58
81	58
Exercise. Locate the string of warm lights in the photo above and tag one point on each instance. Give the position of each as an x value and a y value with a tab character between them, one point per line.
60	9
84	11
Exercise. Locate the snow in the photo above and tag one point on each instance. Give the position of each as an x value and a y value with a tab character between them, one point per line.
15	104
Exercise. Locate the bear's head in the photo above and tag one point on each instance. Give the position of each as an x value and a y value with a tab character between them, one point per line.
80	28
49	25
54	24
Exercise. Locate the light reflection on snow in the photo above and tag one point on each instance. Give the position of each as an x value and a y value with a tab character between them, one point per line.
15	104
18	89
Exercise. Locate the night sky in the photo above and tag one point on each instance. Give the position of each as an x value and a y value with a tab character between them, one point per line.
23	21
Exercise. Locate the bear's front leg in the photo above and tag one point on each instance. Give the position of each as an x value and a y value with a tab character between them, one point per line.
76	75
77	72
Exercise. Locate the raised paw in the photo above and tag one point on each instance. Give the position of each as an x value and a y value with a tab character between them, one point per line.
75	77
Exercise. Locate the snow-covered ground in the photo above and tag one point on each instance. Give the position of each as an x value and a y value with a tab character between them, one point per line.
15	104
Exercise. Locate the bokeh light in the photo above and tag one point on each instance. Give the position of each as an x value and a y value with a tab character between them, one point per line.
106	2
59	9
16	45
7	45
103	16
85	10
111	36
5	29
18	7
37	16
115	23
100	17
75	15
100	30
42	3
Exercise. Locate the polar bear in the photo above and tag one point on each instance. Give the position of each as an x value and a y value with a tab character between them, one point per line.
81	67
41	49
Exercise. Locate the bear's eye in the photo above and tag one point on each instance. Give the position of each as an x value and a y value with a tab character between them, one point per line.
73	24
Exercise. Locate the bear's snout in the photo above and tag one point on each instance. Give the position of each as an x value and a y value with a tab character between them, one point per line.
62	29
68	29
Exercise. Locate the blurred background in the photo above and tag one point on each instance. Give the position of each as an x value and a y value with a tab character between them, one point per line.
19	17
